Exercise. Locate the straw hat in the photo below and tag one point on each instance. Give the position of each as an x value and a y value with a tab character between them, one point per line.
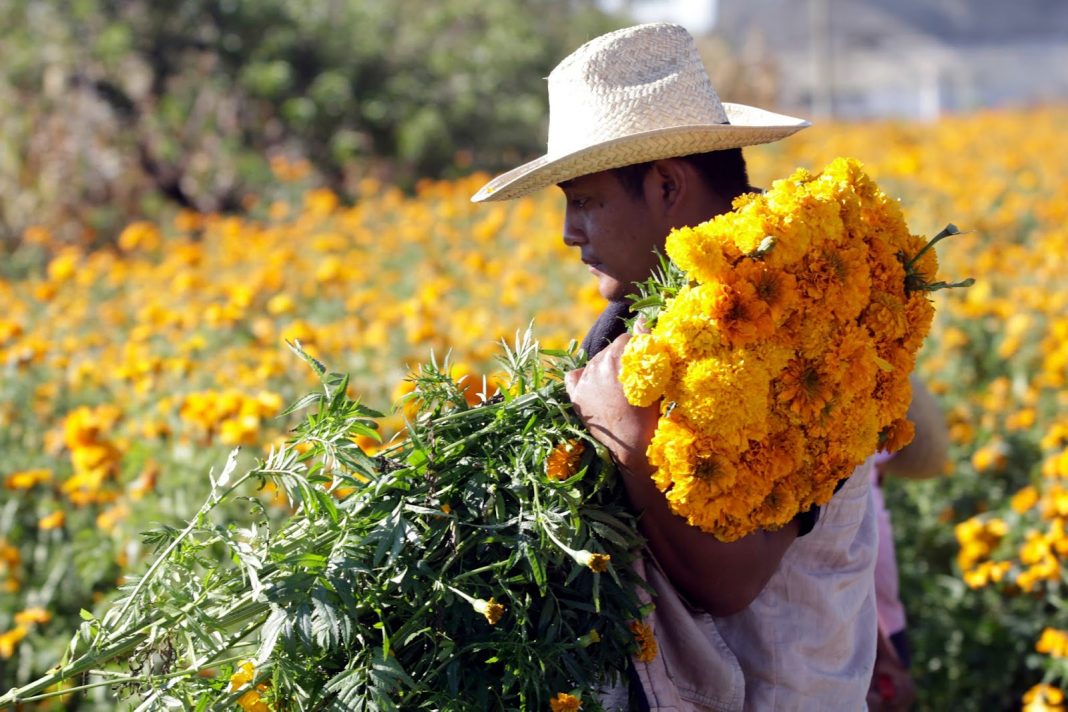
635	95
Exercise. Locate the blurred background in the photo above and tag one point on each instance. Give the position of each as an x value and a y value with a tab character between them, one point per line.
185	184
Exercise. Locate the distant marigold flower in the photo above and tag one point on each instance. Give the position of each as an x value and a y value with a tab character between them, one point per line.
1043	698
27	479
564	702
32	616
1053	642
55	520
1024	499
10	640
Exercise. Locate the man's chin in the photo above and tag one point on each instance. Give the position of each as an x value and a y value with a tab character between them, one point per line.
613	292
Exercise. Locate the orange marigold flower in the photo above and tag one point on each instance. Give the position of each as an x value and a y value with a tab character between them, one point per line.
563	460
646	642
564	702
805	388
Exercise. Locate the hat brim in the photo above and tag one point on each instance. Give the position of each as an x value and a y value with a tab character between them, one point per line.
748	126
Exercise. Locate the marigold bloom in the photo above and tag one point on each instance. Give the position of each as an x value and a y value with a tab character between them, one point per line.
1043	698
645	641
32	616
1024	499
243	675
490	609
646	369
597	563
27	479
10	640
564	702
55	520
1053	642
563	461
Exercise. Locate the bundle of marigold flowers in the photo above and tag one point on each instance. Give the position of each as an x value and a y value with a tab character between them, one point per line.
781	337
480	563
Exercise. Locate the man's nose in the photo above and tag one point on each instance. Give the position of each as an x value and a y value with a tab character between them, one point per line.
573	234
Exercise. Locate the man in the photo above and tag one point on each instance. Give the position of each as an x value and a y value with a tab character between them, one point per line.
640	144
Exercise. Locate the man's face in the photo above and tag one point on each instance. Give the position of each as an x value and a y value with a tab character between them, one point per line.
615	232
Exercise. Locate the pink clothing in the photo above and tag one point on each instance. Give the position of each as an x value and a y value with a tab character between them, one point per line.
887	599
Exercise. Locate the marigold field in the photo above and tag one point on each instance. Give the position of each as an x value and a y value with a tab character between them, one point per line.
129	367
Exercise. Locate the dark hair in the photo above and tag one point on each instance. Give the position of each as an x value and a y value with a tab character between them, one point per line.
723	172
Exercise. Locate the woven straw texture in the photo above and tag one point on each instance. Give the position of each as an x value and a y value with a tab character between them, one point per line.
635	95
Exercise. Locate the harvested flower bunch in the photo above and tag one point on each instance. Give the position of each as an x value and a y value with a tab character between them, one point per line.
482	563
781	338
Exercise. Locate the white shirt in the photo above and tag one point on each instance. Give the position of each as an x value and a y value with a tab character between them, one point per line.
807	642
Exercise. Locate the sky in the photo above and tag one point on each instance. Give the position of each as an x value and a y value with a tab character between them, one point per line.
697	16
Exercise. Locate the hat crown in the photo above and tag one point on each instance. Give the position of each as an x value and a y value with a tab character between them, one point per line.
633	80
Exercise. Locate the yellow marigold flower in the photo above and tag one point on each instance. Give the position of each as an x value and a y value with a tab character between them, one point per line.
141	235
645	641
986	572
739	314
490	609
10	640
1053	642
697	252
646	369
244	674
32	616
1043	698
55	520
27	479
564	702
992	456
777	288
1024	499
252	700
563	460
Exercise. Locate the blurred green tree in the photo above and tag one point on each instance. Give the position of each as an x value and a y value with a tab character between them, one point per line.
115	107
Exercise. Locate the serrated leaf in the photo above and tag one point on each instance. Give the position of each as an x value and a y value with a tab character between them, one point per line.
270	631
315	363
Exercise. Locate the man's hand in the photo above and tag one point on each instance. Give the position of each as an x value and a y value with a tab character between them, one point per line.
718	577
598	399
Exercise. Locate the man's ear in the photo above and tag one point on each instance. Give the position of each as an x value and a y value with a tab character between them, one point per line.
667	185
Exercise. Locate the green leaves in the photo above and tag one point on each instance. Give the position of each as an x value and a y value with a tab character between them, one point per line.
444	572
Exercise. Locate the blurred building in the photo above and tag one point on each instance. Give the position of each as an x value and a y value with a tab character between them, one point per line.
907	58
